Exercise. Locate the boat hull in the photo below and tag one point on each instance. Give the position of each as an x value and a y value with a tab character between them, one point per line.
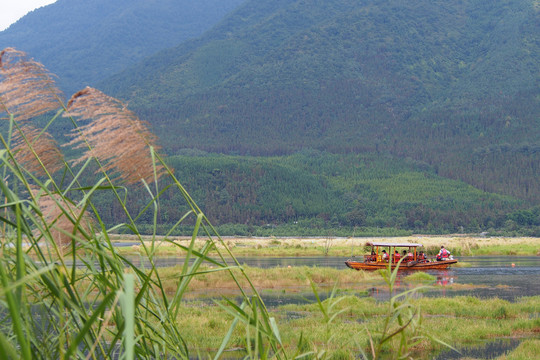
437	265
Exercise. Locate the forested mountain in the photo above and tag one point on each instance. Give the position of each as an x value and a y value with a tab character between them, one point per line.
317	193
452	83
84	41
418	115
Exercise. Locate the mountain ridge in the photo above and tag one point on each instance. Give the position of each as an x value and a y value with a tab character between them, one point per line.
84	42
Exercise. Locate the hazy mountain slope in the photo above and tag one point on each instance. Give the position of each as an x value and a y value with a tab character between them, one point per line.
85	41
326	69
452	83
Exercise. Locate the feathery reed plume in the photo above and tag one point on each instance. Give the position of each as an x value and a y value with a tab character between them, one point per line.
27	89
62	228
116	136
32	148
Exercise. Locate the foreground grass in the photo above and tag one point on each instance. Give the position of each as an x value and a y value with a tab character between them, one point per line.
460	321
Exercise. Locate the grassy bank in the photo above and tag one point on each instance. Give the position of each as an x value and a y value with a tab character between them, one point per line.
279	278
346	247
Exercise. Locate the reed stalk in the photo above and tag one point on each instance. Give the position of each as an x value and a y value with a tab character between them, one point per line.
66	292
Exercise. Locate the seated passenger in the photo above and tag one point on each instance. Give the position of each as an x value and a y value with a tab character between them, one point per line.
396	257
443	254
422	257
405	256
384	256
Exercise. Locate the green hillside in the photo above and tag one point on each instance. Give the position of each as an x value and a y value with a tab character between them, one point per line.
450	83
83	42
314	193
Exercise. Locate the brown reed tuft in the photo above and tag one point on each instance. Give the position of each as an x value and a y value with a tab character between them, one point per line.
116	136
54	208
27	89
32	148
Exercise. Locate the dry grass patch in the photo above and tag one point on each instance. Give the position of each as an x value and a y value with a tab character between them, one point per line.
290	278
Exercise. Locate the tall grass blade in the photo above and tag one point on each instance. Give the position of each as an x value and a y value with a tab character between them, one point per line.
128	307
226	338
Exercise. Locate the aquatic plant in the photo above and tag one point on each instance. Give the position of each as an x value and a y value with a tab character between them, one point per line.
403	321
420	276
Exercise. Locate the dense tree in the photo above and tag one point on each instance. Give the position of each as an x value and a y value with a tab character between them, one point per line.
319	190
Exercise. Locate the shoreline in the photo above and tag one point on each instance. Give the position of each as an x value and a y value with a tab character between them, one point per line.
459	245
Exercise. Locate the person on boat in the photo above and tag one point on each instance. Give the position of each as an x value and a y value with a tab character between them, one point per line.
384	256
406	256
373	256
422	257
443	254
396	256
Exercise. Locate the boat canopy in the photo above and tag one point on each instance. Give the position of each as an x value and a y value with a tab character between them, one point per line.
392	244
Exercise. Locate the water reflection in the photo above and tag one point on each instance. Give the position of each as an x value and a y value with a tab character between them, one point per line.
489	350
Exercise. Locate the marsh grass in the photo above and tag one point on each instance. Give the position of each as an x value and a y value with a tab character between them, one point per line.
346	326
462	329
294	279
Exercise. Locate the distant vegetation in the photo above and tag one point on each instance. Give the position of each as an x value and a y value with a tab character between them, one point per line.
318	193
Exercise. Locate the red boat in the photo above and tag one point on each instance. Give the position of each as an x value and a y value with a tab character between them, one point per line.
413	260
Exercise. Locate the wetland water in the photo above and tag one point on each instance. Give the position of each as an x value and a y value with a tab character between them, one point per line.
481	276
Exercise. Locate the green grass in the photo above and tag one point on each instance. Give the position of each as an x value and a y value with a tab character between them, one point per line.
461	321
293	279
420	277
291	248
524	250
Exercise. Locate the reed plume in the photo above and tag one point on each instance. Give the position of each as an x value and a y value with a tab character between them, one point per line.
36	149
117	138
27	89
